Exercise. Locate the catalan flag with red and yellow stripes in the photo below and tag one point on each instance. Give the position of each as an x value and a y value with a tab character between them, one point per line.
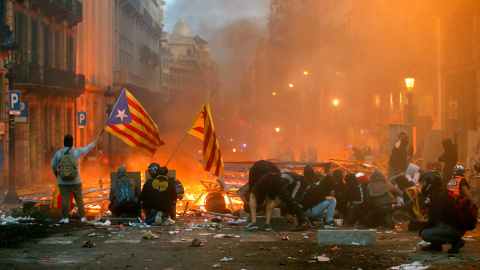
131	123
203	129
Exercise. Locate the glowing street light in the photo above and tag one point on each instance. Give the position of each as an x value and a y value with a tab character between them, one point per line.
335	102
409	82
277	129
274	94
305	73
290	85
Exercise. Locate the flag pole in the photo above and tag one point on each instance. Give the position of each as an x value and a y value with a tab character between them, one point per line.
193	122
221	182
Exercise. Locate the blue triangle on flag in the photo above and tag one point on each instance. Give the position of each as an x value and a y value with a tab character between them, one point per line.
121	112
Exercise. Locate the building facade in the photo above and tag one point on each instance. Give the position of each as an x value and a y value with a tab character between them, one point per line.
46	76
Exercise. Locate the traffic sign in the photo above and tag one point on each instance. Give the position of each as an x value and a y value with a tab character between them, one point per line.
82	119
23	116
14	102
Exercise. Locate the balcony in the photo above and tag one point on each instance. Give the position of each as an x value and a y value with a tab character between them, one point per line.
131	5
43	76
61	10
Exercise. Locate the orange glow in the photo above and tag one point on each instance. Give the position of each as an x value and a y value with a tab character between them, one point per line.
305	73
277	129
335	102
290	85
274	94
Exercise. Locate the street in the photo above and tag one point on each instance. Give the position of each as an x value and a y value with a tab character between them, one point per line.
114	247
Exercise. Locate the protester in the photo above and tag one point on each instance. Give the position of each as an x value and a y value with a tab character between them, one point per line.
381	194
158	196
443	225
340	190
459	185
317	200
355	194
399	157
357	154
124	195
414	203
74	185
450	158
295	183
265	184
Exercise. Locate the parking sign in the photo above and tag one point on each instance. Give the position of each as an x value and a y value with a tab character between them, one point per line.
82	119
14	102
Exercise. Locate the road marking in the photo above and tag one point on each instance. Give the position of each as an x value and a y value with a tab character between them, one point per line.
121	241
57	241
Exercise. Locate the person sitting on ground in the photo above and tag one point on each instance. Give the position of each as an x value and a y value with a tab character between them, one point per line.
124	195
317	200
158	195
265	184
355	195
459	185
443	225
381	194
340	190
414	203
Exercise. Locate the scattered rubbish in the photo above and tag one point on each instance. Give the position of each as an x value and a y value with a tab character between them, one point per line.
217	265
422	243
355	244
335	248
251	255
97	218
149	235
196	243
285	238
149	260
89	244
226	236
173	232
305	237
11	220
274	248
411	266
322	258
225	259
93	234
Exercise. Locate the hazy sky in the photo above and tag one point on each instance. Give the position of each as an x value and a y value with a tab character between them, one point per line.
232	29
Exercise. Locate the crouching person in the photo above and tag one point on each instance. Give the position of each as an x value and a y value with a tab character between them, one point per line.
356	193
443	225
381	195
414	203
158	196
124	195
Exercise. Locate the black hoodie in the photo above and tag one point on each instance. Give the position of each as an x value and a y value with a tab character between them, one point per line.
317	193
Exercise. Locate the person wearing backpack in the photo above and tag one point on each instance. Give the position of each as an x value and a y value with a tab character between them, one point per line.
443	225
459	185
65	166
124	195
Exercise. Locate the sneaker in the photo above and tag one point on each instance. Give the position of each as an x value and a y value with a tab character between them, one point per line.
268	228
83	219
331	225
251	226
158	218
456	246
301	227
63	221
310	222
432	247
168	221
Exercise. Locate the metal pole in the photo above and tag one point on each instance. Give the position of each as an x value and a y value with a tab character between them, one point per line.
109	111
12	196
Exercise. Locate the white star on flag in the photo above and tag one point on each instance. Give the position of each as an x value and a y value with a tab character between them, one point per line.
121	114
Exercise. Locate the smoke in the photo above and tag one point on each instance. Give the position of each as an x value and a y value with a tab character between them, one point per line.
231	28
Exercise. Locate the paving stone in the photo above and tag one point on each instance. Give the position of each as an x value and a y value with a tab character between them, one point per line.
346	237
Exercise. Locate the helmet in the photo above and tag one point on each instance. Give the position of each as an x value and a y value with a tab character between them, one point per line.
459	170
432	181
154	169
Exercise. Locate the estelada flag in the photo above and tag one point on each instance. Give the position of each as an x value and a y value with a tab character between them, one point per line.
131	123
57	199
203	129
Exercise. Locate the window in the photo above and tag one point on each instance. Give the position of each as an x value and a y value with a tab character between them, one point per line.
58	49
47	46
34	42
70	54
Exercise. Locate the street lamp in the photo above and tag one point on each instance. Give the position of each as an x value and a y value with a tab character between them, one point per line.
109	101
9	48
409	82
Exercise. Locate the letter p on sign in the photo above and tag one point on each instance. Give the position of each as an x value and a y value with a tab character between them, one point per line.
15	104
